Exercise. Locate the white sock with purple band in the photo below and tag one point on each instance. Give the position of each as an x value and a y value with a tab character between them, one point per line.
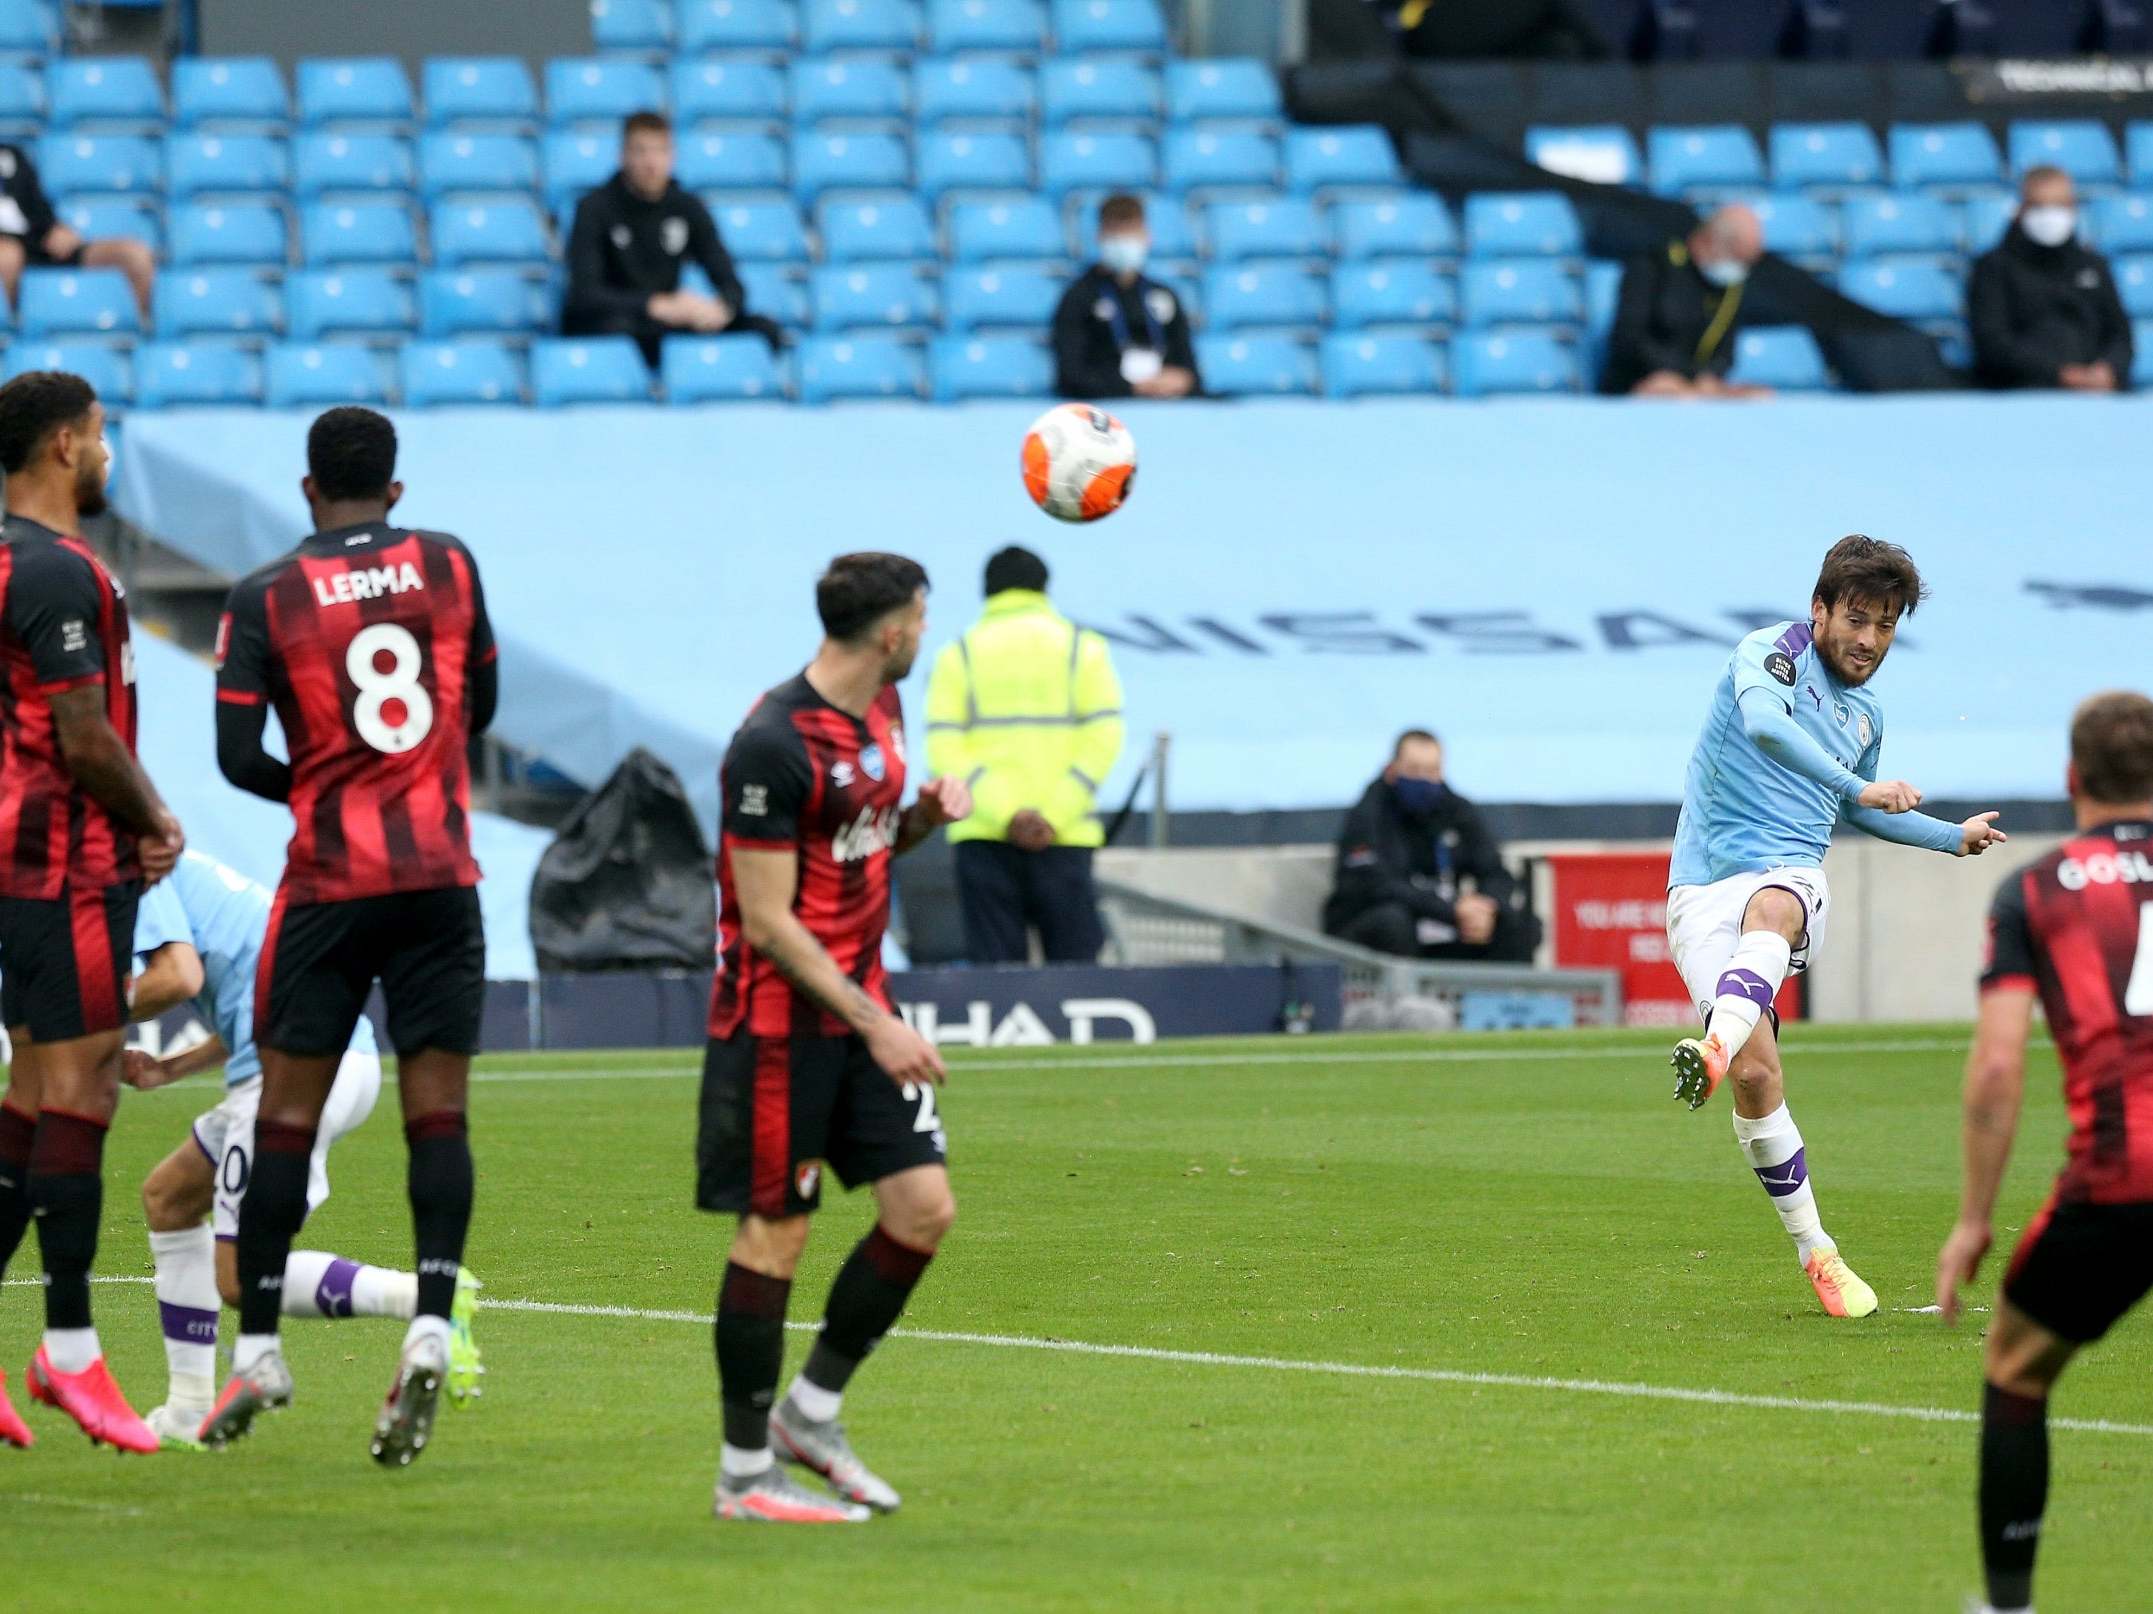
1773	1146
1747	986
187	1304
321	1285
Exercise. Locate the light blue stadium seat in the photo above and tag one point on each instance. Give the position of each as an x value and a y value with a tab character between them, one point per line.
479	90
215	302
762	232
1986	213
1107	160
99	218
1287	227
76	302
1797	226
105	91
350	164
102	365
1253	365
959	160
1514	224
229	91
357	232
347	302
734	25
1487	364
869	295
1391	291
230	164
1015	296
632	27
1603	290
720	369
1702	155
861	365
318	375
600	90
1227	87
1125	25
876	231
776	292
1879	222
1825	156
1212	159
1017	26
2134	284
572	164
483	302
1784	357
587	370
829	25
832	162
1601	153
472	371
729	90
226	232
1362	364
1944	156
1352	157
353	89
452	162
1409	222
1244	294
968	89
1903	287
22	99
850	87
111	163
29	28
1083	88
504	230
2123	223
173	375
963	367
2138	151
1518	291
1022	227
2081	147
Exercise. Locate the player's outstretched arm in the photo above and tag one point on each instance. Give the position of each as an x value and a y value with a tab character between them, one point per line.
1995	1087
1767	722
102	765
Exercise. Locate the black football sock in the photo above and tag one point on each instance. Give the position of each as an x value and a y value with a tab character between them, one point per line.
270	1214
750	1332
441	1191
16	1132
2014	1492
67	1196
865	1303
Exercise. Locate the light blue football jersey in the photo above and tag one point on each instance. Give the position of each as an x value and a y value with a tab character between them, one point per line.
224	916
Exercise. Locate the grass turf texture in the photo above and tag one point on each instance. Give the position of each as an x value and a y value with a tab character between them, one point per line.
1530	1205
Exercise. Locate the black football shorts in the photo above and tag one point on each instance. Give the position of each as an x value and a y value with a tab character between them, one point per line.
321	959
2081	1266
64	963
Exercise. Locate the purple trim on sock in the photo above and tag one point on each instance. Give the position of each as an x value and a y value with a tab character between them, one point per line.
1746	984
332	1296
1786	1177
1795	640
188	1324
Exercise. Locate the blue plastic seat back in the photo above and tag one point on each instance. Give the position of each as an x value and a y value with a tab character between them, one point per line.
1253	365
1262	293
1026	227
1784	357
1353	157
1012	366
490	302
351	164
859	366
1511	224
480	90
1360	364
884	25
1825	156
226	232
735	25
1944	155
1017	26
2081	147
238	164
321	303
353	89
1391	291
720	369
1491	363
587	370
1878	222
871	295
1012	296
468	372
176	375
315	375
237	90
76	302
1519	291
219	302
1410	222
1693	155
1116	25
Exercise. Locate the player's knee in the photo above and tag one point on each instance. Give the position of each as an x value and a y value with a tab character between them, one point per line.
167	1205
928	1223
1755	1077
1777	910
771	1247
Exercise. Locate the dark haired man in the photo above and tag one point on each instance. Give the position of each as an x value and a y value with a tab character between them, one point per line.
2076	930
1117	333
371	642
82	827
631	238
1790	750
808	1066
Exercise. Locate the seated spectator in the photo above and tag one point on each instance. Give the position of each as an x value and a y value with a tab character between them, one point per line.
1403	856
1675	320
631	238
1117	334
32	236
2042	304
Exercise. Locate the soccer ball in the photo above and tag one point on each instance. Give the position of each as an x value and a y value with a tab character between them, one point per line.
1078	462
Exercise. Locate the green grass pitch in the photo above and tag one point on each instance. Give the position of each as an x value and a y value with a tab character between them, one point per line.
1529	1207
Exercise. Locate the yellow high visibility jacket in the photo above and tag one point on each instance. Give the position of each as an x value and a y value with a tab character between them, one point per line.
1026	707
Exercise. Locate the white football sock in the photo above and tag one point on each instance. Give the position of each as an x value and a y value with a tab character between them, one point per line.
816	1404
433	1328
70	1350
317	1284
737	1462
1773	1146
187	1304
1747	986
251	1348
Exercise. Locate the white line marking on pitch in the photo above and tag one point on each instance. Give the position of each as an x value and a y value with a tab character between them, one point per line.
1357	1370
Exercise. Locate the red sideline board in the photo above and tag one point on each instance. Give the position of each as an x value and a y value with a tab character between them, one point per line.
1611	912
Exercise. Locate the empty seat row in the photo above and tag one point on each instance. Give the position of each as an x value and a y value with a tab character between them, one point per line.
503	230
1019	26
1870	222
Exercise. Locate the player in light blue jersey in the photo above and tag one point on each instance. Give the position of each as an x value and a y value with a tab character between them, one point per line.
198	940
1790	751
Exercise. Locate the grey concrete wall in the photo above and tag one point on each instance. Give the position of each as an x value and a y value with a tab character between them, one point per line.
410	29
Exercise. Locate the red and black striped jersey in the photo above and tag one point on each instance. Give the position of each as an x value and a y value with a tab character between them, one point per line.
803	777
63	625
363	640
2077	927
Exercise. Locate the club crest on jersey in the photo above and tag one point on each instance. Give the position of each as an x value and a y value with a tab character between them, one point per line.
872	763
805	1179
841	775
1864	731
673	236
343	588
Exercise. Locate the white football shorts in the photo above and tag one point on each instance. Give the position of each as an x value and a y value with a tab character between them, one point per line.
1704	925
226	1135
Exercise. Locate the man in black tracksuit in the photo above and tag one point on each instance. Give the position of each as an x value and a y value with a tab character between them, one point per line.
631	238
1678	311
1117	334
1402	857
2042	305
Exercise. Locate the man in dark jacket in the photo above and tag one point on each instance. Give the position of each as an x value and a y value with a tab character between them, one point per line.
32	235
631	238
1117	334
1676	317
2043	305
1402	856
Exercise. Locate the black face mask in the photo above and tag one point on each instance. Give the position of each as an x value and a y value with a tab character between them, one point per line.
1420	796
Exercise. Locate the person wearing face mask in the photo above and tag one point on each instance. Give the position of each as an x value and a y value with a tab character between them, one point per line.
1678	310
2043	305
1404	857
1118	334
